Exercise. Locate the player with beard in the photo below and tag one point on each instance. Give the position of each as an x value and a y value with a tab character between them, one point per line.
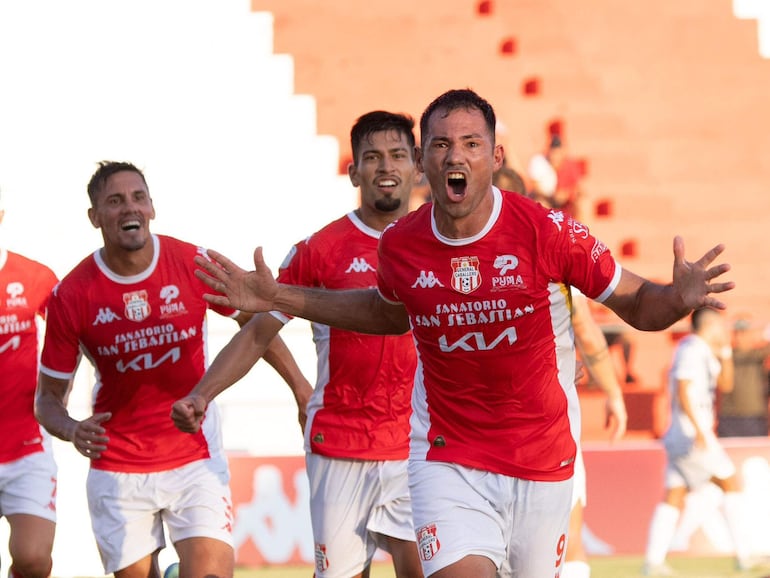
482	279
357	432
135	309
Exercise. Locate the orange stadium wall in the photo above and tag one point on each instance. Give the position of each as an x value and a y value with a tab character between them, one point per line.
272	525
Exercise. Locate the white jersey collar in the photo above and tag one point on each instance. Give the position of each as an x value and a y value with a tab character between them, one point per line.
363	227
112	276
497	204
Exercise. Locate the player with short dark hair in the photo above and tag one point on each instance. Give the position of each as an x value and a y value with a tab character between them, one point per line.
135	309
482	279
357	433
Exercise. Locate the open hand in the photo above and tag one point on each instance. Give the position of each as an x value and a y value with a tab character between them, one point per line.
693	281
252	291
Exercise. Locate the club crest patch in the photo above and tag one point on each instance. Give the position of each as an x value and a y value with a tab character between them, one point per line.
427	542
137	306
321	561
466	276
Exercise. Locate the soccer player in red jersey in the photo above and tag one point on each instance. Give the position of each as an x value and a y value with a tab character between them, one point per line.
357	433
482	277
135	309
27	467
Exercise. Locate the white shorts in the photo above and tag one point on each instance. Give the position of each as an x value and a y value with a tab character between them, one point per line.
352	504
28	486
579	480
697	467
128	510
520	525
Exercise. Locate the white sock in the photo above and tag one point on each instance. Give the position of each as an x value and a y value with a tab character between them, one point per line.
662	529
736	523
576	569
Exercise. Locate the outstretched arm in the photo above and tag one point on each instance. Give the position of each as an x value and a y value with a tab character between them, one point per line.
361	310
651	306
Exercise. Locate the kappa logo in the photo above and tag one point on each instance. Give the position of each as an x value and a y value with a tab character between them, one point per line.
105	316
557	217
427	542
427	280
359	265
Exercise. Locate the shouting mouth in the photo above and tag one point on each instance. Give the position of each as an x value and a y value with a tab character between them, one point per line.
456	184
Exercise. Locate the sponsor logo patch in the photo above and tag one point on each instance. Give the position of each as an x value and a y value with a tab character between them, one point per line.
16	297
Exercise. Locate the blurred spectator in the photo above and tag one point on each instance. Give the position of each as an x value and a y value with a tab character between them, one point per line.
508	179
702	366
744	411
555	177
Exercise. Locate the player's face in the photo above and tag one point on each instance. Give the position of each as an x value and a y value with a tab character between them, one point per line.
459	158
123	211
385	172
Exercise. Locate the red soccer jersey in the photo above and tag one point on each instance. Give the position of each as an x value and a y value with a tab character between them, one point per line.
361	404
25	286
490	316
145	336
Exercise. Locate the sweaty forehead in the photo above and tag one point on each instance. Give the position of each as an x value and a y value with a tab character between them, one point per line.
457	122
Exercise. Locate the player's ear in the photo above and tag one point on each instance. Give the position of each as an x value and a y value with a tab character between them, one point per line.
418	158
499	156
92	216
353	174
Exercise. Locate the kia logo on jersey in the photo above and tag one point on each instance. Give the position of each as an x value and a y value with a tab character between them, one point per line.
466	276
137	306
